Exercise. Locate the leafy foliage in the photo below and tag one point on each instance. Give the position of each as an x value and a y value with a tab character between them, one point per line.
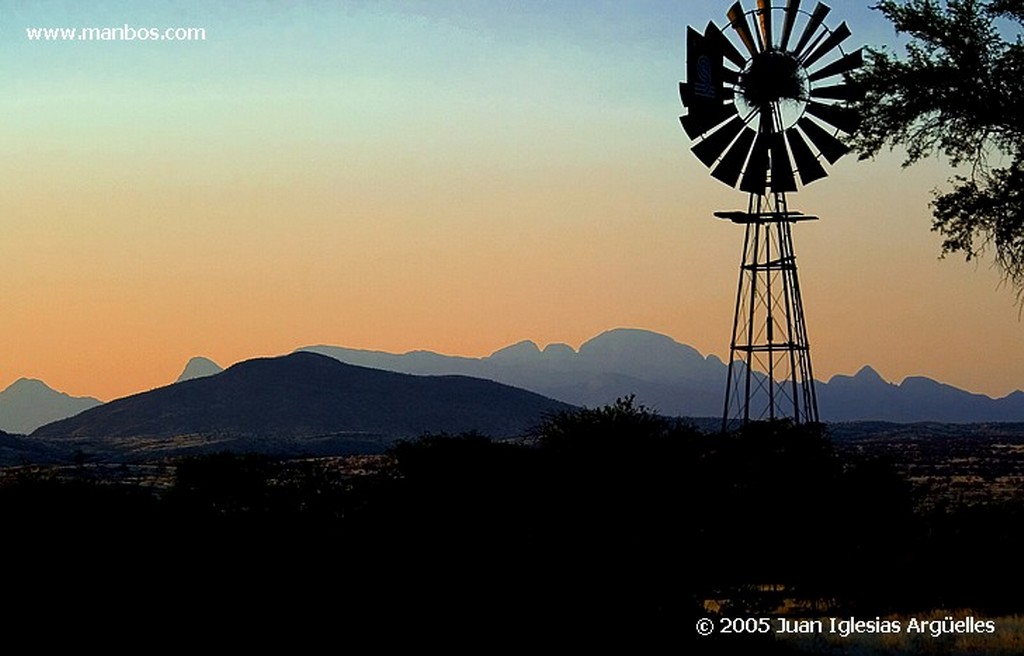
588	428
958	93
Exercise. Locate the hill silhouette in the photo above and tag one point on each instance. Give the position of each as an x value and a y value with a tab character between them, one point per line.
866	395
675	379
28	404
664	374
309	395
199	367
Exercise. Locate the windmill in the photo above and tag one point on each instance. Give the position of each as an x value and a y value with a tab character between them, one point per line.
767	103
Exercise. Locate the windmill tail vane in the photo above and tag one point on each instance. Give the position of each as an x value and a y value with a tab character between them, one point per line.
767	102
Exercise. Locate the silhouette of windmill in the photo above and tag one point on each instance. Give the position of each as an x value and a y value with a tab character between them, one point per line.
763	112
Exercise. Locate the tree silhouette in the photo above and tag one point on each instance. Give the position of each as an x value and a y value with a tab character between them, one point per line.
958	93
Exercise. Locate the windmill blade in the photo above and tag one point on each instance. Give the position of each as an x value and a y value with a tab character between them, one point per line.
738	20
848	91
813	23
792	11
714	34
829	147
847	63
843	118
712	146
697	122
782	170
807	164
764	8
730	77
755	175
728	170
838	35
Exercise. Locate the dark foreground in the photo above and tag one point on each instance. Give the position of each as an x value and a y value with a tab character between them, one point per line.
612	526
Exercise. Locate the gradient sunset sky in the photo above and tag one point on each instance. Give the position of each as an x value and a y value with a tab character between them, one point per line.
442	175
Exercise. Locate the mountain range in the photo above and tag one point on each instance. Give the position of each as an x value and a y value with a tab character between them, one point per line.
866	396
665	375
675	379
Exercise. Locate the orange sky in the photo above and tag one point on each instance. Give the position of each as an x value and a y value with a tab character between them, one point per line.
245	197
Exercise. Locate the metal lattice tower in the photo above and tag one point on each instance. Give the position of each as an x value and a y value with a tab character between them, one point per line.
770	373
760	117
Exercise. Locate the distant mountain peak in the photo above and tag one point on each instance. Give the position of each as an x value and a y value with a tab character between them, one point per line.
199	367
558	350
646	355
28	403
524	349
868	374
26	384
633	340
633	334
35	388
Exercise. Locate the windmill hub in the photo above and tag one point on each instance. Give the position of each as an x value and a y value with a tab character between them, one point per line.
773	76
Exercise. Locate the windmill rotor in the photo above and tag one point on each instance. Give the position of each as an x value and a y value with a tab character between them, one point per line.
767	97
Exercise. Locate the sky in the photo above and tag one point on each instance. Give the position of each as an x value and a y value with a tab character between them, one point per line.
446	175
